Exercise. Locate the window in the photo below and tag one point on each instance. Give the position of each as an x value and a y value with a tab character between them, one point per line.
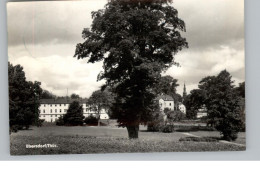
51	110
51	115
170	104
44	105
55	110
55	115
55	105
65	110
60	104
60	110
51	105
44	116
64	104
44	111
40	111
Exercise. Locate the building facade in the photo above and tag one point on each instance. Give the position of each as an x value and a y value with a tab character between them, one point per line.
52	109
165	101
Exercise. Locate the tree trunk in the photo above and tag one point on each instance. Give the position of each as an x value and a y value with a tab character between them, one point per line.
133	131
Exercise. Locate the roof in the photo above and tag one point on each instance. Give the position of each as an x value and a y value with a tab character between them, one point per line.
165	97
61	101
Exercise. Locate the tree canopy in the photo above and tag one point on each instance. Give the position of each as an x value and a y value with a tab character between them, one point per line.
166	85
136	40
223	103
47	95
194	101
74	115
74	96
24	99
100	99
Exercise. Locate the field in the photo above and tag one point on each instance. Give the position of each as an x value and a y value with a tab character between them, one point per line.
84	139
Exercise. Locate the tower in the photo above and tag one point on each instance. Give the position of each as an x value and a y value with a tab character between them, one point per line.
184	92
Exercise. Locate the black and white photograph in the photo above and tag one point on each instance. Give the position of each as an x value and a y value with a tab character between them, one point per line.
126	76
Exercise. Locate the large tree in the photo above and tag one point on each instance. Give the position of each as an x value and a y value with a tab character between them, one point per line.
136	40
223	104
24	99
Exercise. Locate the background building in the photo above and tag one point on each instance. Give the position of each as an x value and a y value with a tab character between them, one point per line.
52	109
165	101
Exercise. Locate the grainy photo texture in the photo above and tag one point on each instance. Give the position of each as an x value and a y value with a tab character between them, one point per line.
122	76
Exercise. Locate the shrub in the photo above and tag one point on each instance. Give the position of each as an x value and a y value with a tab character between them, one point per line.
60	121
157	123
167	128
174	116
39	122
229	128
91	120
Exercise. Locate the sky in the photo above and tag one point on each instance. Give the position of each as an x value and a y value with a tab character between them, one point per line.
42	37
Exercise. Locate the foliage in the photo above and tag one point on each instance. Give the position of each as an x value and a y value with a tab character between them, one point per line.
222	102
241	89
156	123
39	122
60	121
74	115
47	95
74	96
24	99
194	101
174	116
100	99
136	40
168	128
166	85
91	120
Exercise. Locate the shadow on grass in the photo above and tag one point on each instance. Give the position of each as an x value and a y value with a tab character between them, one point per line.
201	139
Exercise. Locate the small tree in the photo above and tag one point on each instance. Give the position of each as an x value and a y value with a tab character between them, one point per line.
74	115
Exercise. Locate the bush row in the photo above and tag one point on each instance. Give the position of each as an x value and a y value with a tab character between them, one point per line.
90	120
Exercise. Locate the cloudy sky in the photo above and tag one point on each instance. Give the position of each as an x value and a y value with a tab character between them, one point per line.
42	37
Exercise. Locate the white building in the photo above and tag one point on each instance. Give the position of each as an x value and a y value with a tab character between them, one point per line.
52	109
165	101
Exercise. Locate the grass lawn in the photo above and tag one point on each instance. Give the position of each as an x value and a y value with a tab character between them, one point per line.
81	140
